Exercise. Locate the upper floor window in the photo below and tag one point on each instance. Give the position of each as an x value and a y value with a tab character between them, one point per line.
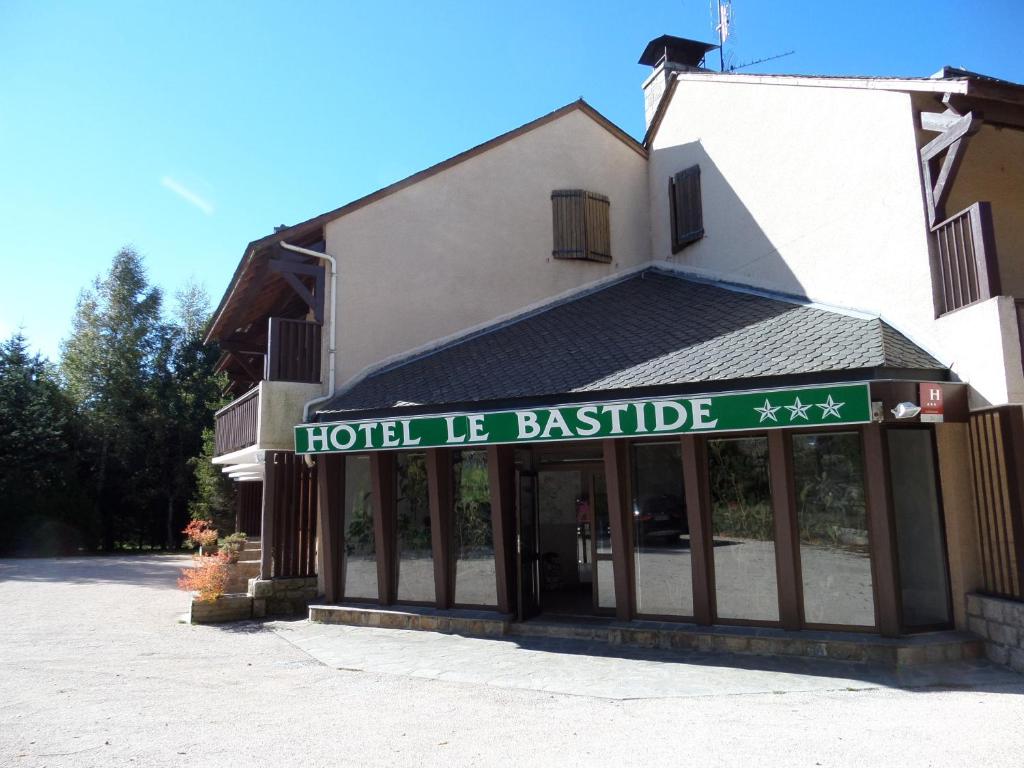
685	208
582	227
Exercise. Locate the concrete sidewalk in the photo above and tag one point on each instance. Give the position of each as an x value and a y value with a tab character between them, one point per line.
95	670
580	668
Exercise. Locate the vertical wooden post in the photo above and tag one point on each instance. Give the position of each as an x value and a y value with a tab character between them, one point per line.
616	473
439	488
382	478
330	477
880	530
698	517
501	475
787	540
271	477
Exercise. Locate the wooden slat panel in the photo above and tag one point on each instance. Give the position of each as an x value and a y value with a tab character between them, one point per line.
249	501
293	350
997	444
292	516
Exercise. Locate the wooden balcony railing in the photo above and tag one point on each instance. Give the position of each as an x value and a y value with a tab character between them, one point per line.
235	424
965	254
293	351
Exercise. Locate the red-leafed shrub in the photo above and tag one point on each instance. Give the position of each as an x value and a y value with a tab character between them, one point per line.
200	533
208	577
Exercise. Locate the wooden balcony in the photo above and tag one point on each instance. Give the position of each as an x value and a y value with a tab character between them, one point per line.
236	423
965	266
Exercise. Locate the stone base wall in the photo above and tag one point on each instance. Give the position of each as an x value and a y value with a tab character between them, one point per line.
224	608
1000	623
282	597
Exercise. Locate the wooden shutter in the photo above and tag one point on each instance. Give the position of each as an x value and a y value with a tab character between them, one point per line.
581	225
685	208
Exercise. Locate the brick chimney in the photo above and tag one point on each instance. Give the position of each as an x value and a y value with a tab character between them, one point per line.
668	55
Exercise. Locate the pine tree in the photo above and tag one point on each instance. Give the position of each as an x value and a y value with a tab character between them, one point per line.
35	472
109	363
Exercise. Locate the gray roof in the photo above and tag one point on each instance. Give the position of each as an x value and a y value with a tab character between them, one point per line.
652	329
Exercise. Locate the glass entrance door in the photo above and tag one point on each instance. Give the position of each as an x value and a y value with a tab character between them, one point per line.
574	542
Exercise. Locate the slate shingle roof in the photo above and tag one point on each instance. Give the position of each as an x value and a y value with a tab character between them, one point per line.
651	329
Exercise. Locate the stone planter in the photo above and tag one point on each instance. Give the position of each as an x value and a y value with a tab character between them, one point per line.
224	608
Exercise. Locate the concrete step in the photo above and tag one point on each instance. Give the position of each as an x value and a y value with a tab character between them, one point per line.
925	648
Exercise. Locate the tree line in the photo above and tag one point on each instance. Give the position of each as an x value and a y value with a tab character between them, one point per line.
109	448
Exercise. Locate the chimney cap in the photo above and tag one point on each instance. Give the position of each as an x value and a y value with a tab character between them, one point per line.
677	50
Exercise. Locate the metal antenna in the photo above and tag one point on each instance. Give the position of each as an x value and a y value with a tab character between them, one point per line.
723	19
758	61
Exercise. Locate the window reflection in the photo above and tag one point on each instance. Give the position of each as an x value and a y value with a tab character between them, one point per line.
743	529
360	552
415	553
835	560
661	536
474	537
919	542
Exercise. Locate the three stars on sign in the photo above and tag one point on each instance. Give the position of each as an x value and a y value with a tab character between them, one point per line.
798	410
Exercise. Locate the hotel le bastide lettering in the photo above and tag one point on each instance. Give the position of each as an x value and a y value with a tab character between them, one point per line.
730	412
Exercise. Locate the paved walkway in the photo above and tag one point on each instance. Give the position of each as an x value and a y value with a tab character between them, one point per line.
96	671
581	668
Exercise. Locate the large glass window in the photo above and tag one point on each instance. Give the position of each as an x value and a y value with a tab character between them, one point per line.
661	536
360	553
743	529
919	540
835	561
474	537
415	553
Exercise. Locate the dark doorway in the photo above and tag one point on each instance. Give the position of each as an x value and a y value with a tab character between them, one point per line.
565	542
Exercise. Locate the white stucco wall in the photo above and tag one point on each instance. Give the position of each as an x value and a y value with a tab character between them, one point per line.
473	242
984	346
807	190
280	410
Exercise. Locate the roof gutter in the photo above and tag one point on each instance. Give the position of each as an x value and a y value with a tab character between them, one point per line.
331	323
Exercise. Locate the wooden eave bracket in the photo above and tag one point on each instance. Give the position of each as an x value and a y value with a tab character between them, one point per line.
290	269
954	131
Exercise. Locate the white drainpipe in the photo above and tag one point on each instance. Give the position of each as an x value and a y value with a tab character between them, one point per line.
332	325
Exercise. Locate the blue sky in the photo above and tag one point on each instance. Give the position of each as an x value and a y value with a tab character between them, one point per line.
187	129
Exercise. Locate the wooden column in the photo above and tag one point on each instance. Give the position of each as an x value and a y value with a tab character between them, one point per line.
439	492
698	517
271	478
501	474
880	530
616	476
787	541
382	478
330	497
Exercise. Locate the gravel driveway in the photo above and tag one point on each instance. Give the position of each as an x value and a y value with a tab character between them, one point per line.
96	670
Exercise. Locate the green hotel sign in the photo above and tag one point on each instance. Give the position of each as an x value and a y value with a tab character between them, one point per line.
728	412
